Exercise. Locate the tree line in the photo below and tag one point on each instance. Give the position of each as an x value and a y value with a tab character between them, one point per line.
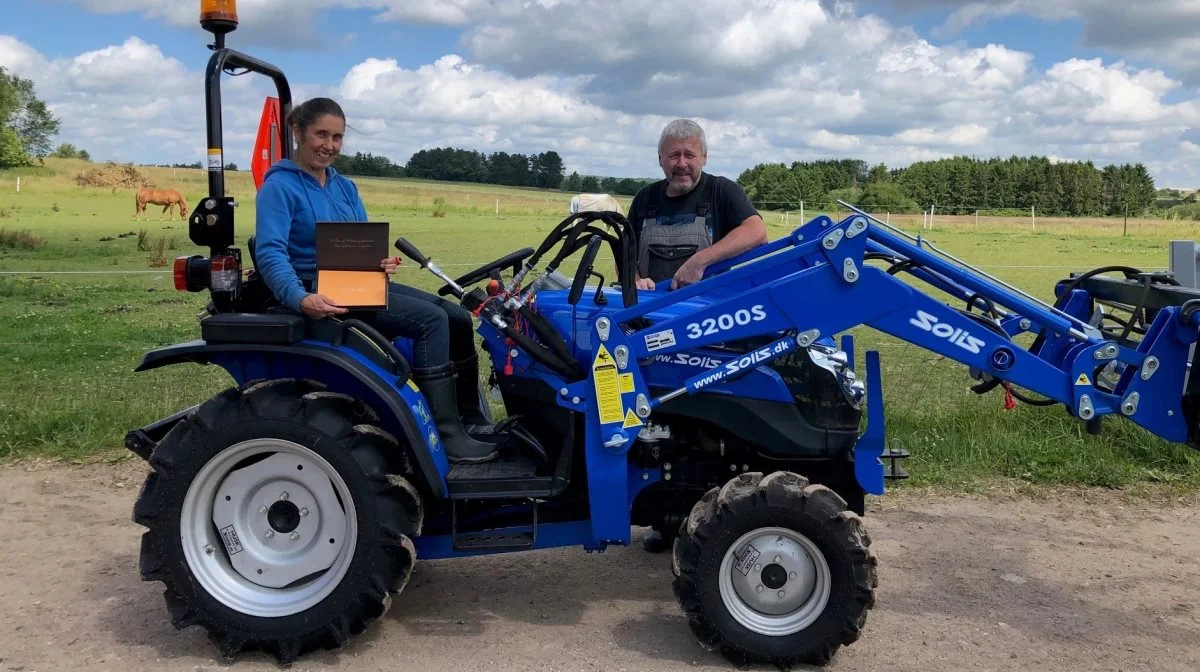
452	164
544	170
958	185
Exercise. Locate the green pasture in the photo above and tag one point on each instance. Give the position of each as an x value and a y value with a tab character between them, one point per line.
77	313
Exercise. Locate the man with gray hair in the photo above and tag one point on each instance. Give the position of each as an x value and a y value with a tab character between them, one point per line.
690	219
684	223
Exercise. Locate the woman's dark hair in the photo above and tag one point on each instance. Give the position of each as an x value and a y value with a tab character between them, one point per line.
305	114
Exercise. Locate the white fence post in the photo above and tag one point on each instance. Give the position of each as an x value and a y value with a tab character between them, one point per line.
18	184
497	206
801	212
1033	216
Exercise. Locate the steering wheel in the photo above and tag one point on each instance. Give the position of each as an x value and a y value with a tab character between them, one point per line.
513	259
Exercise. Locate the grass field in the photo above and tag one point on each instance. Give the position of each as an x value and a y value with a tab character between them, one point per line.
77	313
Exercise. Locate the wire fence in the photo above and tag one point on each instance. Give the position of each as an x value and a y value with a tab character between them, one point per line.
795	213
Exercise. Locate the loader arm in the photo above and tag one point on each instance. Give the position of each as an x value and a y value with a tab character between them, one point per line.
816	283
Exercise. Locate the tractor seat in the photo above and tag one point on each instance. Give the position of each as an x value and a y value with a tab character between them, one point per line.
268	328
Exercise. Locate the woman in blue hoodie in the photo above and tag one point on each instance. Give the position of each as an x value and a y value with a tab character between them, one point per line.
294	196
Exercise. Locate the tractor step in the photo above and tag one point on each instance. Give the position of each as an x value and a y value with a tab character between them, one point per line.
508	477
893	456
484	541
507	539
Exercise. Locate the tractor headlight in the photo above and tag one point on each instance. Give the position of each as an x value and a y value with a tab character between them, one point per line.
835	362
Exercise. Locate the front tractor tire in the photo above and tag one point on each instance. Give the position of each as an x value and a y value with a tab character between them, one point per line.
278	519
774	570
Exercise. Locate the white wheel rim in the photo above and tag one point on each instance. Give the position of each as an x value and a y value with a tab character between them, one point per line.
271	538
774	581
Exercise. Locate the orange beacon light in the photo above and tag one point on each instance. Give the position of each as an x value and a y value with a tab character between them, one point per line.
218	15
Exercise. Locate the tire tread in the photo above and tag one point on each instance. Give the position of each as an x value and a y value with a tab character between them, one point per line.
751	494
395	501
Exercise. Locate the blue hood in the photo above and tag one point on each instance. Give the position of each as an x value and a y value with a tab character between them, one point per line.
287	208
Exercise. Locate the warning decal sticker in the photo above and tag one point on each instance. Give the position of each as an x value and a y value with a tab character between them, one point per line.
608	387
626	382
1082	380
631	420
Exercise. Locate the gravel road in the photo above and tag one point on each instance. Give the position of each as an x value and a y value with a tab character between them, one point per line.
1063	580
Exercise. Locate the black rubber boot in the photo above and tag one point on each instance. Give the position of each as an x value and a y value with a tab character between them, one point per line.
471	404
439	389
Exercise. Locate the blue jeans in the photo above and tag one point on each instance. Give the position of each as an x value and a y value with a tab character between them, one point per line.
441	330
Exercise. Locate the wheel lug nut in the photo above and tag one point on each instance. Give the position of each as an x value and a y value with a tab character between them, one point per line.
294	536
759	589
262	510
208	550
270	533
283	496
758	568
778	559
303	513
781	593
792	575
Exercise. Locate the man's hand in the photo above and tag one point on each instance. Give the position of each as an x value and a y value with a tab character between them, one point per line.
644	283
689	273
389	264
319	307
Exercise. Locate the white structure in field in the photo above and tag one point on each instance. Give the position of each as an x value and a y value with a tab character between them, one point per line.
594	203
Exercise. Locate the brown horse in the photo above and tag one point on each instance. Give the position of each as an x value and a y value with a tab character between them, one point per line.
168	198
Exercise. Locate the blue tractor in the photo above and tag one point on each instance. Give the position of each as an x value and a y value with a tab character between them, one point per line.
287	512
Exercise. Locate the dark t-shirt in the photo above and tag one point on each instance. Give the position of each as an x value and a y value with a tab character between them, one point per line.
728	205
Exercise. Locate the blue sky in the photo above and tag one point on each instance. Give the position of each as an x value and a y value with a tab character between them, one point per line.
595	81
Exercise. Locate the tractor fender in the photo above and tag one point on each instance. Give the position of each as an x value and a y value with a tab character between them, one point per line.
395	398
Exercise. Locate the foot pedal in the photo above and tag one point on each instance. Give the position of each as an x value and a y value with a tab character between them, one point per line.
893	456
506	539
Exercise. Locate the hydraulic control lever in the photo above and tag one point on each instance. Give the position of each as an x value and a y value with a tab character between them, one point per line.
425	262
556	355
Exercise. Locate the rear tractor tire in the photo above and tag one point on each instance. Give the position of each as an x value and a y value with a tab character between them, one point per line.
278	519
774	570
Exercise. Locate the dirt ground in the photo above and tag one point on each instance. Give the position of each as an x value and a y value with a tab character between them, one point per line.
1063	581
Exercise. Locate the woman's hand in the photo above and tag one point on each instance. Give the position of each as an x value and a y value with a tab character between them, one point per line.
319	307
390	264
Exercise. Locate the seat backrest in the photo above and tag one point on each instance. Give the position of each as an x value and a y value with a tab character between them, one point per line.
253	256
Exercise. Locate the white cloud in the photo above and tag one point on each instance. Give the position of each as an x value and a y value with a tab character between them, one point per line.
967	135
1160	31
839	142
1102	94
771	80
130	102
452	90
